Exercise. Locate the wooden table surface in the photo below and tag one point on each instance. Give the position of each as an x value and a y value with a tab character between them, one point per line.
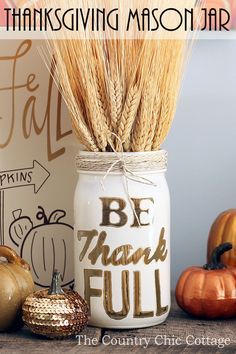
176	332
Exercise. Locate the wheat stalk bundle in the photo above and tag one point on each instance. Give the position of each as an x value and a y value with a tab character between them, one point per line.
122	94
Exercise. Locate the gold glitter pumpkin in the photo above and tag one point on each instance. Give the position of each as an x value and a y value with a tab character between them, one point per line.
55	312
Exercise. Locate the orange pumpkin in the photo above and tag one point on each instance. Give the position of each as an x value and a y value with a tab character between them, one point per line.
223	230
209	291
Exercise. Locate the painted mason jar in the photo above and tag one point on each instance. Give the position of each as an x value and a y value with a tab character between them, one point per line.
122	238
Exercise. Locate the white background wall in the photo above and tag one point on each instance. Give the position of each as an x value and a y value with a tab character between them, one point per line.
202	151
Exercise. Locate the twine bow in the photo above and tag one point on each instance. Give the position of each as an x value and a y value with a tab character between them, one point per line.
123	167
128	175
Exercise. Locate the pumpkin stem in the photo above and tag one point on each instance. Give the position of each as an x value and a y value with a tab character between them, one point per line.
41	215
12	257
216	257
17	214
55	288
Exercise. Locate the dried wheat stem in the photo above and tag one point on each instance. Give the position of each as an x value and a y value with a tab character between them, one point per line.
167	124
77	112
153	122
102	99
84	135
128	115
143	119
116	103
164	116
99	127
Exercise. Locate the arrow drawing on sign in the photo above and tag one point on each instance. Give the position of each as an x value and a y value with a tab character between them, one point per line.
33	176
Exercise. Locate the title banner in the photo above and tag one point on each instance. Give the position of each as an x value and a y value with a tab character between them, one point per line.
113	19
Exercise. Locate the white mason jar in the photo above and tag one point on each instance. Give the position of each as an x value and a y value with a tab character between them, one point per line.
122	238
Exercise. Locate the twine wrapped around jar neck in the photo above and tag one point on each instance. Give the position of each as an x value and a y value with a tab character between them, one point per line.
115	163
